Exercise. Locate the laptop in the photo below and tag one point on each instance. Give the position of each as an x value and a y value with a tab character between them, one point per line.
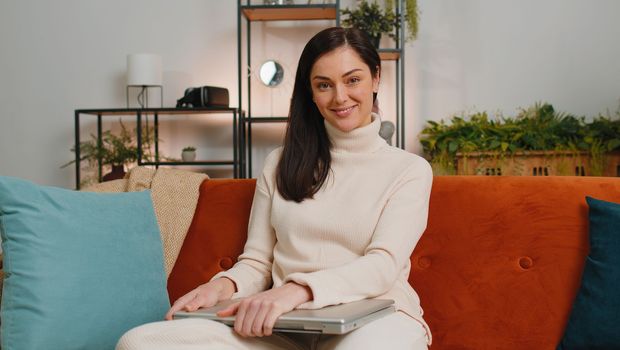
336	319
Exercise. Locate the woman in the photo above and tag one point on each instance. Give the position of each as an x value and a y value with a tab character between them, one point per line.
336	215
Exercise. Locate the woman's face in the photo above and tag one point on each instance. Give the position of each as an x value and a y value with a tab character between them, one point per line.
342	88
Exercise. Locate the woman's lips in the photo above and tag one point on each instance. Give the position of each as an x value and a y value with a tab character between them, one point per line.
344	112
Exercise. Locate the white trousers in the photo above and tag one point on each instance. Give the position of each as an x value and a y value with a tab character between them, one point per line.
396	331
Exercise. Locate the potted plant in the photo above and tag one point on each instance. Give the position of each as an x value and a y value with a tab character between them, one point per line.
538	141
188	154
374	20
115	151
371	19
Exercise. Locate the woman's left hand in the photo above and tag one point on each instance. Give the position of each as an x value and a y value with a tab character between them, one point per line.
257	314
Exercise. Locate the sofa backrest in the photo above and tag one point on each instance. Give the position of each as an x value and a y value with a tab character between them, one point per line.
501	259
216	236
497	268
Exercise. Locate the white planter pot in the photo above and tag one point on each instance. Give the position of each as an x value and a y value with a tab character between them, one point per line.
188	156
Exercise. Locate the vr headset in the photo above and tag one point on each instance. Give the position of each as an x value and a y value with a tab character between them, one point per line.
204	96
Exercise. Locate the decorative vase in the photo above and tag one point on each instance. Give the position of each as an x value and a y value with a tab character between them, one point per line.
118	172
188	156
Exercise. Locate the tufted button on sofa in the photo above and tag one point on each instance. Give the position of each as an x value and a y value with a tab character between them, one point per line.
526	262
226	263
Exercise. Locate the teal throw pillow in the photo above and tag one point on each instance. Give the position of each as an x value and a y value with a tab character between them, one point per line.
81	268
594	322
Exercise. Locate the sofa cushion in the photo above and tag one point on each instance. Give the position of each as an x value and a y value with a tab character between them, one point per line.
500	263
223	207
593	323
81	268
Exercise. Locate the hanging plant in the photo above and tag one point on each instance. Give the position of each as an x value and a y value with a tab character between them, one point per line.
412	17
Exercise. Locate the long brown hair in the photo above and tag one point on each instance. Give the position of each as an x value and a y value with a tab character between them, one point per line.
305	161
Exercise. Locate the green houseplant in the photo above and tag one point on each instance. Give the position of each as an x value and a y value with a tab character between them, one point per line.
602	136
115	150
371	19
536	131
376	20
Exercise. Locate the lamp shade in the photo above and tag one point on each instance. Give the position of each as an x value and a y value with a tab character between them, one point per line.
144	69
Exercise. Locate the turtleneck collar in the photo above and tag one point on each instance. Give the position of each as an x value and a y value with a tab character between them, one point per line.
364	139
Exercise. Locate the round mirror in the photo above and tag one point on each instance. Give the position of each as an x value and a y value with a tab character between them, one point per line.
271	73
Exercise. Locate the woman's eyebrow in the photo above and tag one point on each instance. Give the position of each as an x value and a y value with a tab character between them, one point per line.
351	72
320	77
344	75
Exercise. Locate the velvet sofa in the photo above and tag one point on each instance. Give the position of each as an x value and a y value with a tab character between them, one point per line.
498	267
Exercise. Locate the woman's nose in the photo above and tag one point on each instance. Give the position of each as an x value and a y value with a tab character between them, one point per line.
340	94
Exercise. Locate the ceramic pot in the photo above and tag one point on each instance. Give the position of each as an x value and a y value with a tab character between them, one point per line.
118	172
188	156
375	40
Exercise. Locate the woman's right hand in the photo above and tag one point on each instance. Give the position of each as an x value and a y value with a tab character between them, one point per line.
205	295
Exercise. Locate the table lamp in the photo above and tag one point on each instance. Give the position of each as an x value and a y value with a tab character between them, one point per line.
144	71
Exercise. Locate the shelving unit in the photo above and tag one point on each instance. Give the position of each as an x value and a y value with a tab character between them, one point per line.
330	11
139	113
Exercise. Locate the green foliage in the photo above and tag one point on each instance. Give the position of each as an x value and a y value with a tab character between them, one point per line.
370	18
374	20
412	16
606	129
537	128
115	149
189	149
602	136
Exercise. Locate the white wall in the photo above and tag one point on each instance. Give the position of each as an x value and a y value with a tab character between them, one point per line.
504	54
62	55
484	54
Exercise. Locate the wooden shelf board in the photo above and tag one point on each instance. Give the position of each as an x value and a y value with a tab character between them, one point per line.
389	55
289	13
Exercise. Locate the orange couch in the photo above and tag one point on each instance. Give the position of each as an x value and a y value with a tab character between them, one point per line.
497	268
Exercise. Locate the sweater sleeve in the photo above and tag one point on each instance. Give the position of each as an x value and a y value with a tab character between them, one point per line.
400	226
252	272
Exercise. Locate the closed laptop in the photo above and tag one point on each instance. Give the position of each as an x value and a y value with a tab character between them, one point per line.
336	319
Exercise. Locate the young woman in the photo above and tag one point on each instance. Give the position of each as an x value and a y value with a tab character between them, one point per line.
336	215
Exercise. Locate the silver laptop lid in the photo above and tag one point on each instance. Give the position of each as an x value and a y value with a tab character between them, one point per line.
336	319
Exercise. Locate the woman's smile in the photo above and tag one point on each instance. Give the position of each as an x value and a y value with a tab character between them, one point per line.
343	112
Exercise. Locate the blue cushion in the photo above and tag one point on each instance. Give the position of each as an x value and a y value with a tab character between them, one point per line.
81	268
595	318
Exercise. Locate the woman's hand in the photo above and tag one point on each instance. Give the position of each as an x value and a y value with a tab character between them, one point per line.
205	295
257	314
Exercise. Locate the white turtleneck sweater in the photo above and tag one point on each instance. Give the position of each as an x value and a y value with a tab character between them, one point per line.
351	241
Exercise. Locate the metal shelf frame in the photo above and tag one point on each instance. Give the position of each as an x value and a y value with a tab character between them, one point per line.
237	133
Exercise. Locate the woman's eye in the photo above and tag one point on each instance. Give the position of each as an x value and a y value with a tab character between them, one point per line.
354	80
323	86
